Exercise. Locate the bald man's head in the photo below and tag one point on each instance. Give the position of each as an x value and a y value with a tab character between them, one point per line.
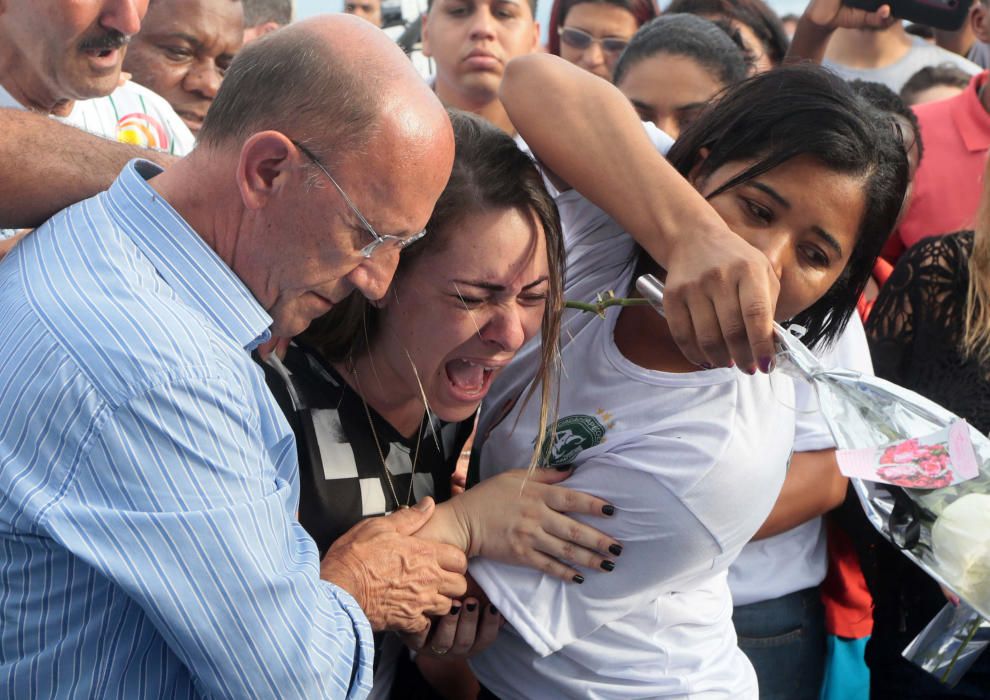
331	81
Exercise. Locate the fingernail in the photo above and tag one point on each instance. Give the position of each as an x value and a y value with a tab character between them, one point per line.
751	370
608	565
615	549
564	467
578	578
493	610
454	609
423	505
608	509
766	364
471	607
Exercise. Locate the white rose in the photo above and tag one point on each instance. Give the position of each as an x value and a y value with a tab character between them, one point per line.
961	545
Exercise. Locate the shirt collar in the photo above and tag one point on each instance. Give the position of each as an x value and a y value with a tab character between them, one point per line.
187	264
970	117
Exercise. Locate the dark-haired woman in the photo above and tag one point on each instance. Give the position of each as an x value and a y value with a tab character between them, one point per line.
674	67
385	394
762	33
593	33
693	458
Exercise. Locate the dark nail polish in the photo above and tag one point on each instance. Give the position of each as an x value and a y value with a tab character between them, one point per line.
608	565
608	509
766	364
493	610
578	578
615	549
471	607
751	371
454	609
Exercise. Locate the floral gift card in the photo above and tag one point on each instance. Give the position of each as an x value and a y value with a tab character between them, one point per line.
941	459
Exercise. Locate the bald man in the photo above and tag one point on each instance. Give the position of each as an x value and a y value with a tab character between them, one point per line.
149	483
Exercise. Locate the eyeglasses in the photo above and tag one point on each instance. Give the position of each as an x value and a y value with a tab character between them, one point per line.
580	40
399	242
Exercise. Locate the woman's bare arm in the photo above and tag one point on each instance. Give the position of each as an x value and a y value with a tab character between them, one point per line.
594	141
820	20
50	165
813	487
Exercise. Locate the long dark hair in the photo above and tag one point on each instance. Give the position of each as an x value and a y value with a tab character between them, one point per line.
642	10
705	42
489	173
805	110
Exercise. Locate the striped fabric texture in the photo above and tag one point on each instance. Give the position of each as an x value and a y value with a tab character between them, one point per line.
148	481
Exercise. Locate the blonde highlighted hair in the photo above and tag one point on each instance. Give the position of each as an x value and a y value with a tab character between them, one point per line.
976	319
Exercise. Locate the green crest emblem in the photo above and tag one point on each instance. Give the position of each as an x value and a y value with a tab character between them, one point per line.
564	440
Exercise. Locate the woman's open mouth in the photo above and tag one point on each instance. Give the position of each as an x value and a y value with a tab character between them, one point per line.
469	380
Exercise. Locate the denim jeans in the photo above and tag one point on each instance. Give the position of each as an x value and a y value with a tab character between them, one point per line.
784	639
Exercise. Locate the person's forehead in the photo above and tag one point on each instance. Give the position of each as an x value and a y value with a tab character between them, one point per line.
492	3
205	19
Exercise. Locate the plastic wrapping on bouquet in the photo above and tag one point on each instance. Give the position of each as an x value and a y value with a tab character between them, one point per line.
866	412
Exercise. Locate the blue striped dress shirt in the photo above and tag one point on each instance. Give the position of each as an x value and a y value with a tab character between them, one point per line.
148	481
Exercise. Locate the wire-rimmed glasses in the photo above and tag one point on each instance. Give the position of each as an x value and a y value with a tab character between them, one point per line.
399	242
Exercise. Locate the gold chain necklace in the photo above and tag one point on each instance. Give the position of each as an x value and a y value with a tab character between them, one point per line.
378	446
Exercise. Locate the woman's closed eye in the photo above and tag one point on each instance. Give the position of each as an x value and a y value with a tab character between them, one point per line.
533	299
466	301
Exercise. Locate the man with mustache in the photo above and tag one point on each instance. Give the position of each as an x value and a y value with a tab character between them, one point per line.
63	58
149	485
471	41
183	50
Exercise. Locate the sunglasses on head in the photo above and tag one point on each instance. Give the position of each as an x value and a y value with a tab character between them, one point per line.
580	40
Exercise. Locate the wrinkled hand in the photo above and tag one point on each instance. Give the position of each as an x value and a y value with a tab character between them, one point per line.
467	629
832	14
520	520
719	301
398	580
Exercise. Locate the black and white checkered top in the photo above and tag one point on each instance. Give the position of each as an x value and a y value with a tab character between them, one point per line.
341	479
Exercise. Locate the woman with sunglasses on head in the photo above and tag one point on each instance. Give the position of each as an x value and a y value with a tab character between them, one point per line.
382	395
593	33
675	66
693	458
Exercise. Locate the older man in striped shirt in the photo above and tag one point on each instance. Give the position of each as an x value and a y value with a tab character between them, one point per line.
148	485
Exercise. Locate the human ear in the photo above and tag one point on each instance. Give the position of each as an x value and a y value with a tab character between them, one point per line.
265	166
536	38
694	175
979	21
425	36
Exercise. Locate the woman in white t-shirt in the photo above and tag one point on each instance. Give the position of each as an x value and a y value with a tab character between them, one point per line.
693	459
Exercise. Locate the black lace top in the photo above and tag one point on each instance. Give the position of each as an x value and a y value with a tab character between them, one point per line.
914	333
916	326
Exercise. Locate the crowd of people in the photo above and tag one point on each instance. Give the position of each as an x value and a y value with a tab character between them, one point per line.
292	406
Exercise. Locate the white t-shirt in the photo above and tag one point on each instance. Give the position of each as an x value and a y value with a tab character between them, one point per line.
130	114
797	559
693	463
